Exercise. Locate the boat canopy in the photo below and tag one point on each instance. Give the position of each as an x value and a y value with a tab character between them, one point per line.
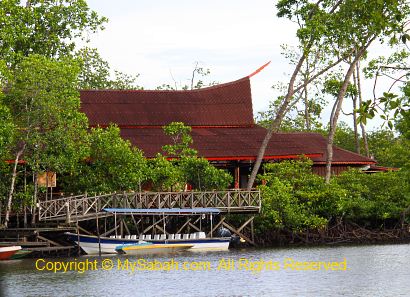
164	211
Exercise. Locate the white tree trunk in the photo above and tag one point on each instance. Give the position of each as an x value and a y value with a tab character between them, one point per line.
12	186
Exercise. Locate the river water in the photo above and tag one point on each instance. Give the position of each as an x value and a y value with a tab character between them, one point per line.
379	270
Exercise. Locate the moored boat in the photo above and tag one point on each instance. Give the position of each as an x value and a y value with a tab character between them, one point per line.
92	244
21	254
144	248
6	252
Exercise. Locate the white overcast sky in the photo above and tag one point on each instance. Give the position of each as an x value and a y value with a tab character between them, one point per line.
157	38
161	39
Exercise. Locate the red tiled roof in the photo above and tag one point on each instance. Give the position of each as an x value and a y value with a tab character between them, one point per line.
340	156
221	117
228	104
243	143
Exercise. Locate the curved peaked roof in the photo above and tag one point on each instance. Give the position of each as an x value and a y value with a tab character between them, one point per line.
221	116
228	104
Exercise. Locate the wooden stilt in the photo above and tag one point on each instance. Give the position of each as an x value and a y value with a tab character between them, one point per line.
184	225
239	230
115	223
99	238
237	177
110	231
126	227
122	227
216	226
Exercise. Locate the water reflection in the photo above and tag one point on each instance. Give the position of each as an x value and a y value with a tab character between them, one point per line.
381	270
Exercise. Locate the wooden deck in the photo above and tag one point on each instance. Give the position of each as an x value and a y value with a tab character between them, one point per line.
83	207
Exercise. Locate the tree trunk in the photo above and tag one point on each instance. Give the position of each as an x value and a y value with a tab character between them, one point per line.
274	128
307	111
342	92
362	127
334	118
281	113
12	186
33	215
356	133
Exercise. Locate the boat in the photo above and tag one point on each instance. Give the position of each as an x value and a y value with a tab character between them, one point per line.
21	254
144	248
6	252
92	245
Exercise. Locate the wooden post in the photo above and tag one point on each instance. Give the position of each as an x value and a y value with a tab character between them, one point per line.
163	222
115	223
25	216
67	218
98	234
211	226
122	227
237	177
252	231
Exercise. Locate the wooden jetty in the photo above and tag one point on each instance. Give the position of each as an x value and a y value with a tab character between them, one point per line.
80	208
40	240
83	207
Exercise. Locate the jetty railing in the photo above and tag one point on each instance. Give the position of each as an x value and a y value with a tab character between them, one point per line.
85	207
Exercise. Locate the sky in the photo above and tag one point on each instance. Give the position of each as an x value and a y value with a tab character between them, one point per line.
162	40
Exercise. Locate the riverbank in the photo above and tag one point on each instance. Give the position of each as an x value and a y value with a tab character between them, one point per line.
341	234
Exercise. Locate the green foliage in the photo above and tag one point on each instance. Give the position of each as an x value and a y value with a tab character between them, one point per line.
6	130
181	138
375	197
95	73
348	24
46	113
164	175
184	167
48	28
333	85
344	137
113	165
6	122
203	176
296	119
292	196
94	70
388	149
295	199
403	109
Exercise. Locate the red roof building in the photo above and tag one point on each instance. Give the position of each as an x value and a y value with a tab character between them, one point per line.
223	128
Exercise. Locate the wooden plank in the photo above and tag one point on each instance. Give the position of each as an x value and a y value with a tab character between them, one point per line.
51	248
85	231
48	240
23	243
245	224
109	231
238	233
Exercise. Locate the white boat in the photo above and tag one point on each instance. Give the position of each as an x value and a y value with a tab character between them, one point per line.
91	245
144	248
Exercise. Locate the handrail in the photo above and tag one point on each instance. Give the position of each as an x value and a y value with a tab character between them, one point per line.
83	206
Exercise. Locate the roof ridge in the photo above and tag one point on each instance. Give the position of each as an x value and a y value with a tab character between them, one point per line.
167	91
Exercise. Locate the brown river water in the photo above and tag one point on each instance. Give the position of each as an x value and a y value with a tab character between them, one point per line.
373	270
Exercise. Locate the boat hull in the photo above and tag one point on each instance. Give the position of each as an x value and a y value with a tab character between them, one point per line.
90	245
148	249
20	254
8	251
